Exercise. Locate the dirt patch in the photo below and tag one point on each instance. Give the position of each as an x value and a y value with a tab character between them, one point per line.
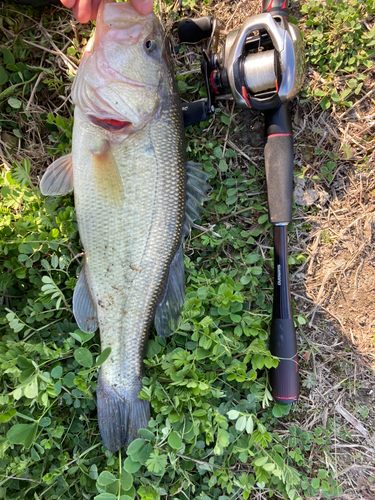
335	287
341	274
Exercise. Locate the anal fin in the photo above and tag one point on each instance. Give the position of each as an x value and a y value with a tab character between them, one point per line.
167	313
83	307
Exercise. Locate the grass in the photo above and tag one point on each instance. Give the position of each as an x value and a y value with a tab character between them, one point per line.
215	432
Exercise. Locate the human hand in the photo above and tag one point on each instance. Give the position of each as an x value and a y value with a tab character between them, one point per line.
84	10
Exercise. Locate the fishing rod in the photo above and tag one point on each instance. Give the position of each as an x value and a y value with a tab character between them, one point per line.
262	67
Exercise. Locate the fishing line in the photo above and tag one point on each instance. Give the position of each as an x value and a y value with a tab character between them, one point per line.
259	71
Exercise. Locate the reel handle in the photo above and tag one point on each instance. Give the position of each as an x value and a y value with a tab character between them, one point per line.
195	30
195	112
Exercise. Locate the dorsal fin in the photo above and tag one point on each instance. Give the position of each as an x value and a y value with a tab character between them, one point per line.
196	189
167	314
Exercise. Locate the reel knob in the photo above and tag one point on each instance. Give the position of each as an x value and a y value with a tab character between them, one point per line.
195	30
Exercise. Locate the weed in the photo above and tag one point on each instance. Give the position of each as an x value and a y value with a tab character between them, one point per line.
338	42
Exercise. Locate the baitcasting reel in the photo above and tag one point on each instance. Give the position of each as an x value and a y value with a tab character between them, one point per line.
261	66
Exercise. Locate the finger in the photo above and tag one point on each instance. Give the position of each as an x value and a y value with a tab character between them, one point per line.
94	9
68	3
144	7
82	10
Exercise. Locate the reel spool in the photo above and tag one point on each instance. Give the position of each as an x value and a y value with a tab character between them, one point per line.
260	71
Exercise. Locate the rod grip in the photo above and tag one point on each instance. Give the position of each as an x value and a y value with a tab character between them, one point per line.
279	160
285	378
195	30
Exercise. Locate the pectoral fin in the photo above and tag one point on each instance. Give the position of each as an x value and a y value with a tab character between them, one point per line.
83	306
106	176
58	178
168	311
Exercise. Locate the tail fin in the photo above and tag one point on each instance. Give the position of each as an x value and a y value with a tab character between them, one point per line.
120	416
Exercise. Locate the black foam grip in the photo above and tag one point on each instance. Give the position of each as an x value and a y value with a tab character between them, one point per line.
195	30
278	158
284	379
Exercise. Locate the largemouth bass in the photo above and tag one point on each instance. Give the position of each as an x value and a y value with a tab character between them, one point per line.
135	197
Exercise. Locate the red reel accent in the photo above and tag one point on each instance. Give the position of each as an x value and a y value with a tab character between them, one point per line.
212	81
246	97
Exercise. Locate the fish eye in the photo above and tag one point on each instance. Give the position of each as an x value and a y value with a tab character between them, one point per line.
150	45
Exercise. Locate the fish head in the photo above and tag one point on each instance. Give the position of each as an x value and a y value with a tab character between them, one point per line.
119	82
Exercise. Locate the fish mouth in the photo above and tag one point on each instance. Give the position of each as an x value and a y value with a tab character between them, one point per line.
110	124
